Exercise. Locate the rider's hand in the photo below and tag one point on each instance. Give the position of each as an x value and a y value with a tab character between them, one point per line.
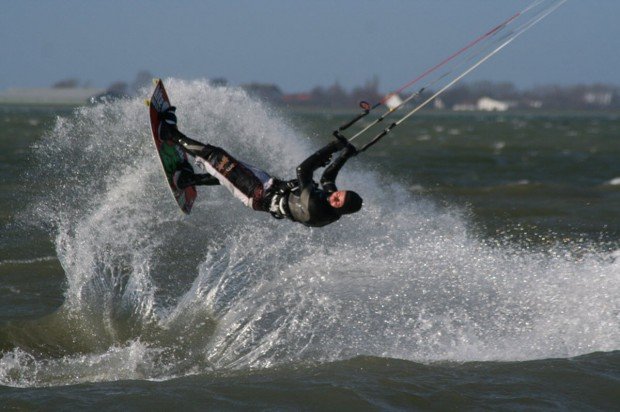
350	150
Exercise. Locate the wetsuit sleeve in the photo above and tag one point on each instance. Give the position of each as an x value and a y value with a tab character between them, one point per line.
319	159
328	179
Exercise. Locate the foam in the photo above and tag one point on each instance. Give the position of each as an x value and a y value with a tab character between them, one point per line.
159	295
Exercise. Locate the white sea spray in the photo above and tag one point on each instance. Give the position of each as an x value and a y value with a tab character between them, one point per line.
151	294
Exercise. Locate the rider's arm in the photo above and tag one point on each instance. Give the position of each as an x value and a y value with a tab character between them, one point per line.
319	159
328	179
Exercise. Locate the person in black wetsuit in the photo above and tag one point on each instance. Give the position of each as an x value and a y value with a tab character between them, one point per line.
301	200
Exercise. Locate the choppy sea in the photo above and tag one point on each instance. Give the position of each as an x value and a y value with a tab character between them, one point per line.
483	272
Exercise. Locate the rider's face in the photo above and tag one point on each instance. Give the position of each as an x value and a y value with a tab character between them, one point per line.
337	199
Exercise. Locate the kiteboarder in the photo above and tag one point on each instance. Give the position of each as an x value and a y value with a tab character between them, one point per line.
301	200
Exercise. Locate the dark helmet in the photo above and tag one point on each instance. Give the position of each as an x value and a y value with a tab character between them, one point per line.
352	203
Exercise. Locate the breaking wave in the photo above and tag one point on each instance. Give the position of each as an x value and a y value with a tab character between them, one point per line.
151	294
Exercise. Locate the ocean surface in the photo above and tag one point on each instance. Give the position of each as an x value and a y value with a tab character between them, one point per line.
483	272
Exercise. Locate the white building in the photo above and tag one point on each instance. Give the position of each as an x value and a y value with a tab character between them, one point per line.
485	104
490	105
598	98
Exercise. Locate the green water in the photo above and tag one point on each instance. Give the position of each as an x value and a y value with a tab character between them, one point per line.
524	182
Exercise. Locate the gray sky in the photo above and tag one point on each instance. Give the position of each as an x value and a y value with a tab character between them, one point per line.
297	44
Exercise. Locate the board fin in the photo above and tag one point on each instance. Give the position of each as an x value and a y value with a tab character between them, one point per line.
147	102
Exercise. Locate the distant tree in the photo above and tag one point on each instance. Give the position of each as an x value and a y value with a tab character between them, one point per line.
269	92
143	79
118	88
458	94
495	90
218	82
337	96
318	96
369	92
70	83
615	102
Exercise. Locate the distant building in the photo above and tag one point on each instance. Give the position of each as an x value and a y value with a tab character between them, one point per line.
484	104
534	104
487	104
297	98
598	98
464	107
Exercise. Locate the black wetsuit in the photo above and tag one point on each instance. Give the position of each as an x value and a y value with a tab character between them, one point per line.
301	200
306	201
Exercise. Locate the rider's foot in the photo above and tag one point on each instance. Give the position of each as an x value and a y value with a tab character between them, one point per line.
168	124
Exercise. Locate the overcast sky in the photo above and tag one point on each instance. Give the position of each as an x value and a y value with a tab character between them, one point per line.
297	44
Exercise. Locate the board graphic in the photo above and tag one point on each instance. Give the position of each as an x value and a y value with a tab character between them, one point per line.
171	155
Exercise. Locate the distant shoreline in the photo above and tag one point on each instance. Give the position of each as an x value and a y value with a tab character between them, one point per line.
303	110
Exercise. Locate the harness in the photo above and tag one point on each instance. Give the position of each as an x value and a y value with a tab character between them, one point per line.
278	203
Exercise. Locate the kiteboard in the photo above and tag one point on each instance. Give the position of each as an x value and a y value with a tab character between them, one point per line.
171	156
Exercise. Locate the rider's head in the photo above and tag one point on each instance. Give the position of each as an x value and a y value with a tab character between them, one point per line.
345	201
